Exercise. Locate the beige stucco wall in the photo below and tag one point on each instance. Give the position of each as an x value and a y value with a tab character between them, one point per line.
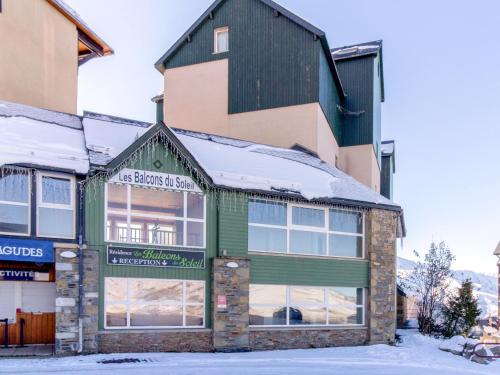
361	163
196	98
39	57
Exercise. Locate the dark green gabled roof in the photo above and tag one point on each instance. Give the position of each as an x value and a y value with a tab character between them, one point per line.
361	50
160	64
162	130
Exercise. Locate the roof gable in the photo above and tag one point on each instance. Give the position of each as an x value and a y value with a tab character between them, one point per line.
161	132
361	50
279	10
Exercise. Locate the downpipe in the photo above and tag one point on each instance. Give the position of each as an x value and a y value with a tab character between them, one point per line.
80	293
80	272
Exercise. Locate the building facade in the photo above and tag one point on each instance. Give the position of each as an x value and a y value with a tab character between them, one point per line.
188	263
281	85
43	160
237	229
60	40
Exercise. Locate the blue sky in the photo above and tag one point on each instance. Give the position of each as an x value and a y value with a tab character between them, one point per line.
442	76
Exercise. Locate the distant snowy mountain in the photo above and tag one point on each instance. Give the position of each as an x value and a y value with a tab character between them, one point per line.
485	285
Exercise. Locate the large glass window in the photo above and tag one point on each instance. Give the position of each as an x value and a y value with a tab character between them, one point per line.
160	217
305	305
289	228
14	203
144	303
267	229
55	206
346	233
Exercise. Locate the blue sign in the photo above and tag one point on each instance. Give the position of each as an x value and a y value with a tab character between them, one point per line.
26	250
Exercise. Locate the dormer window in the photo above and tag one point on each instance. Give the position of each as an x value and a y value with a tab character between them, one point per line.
221	39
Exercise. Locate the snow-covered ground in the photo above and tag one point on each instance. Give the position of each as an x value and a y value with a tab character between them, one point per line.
416	355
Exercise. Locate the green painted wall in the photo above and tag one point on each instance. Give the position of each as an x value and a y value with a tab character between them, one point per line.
377	109
282	269
94	217
361	78
329	97
357	76
386	177
273	62
227	230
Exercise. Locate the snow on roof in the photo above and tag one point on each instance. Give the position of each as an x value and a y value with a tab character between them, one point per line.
40	137
356	50
387	148
107	136
9	109
75	18
245	165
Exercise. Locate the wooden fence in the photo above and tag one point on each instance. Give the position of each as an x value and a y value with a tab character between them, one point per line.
39	328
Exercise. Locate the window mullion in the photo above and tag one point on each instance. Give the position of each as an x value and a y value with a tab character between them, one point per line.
184	224
129	209
288	305
128	302
288	223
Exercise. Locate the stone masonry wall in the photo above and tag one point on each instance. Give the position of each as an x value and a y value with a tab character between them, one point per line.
90	300
271	339
381	247
143	341
231	277
67	299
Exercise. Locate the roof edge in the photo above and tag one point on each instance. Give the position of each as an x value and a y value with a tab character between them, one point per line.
81	26
160	64
159	127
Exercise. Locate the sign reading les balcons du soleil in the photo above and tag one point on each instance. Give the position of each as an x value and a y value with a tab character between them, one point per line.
26	250
155	180
121	256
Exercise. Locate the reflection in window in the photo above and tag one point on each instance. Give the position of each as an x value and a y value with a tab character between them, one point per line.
309	217
266	239
156	217
56	211
56	190
154	303
14	202
290	228
303	242
156	315
266	212
195	206
293	305
346	246
116	315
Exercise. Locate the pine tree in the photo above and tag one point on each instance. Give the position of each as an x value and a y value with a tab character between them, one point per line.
461	311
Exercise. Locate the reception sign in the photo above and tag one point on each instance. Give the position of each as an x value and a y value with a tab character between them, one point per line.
155	180
26	250
122	256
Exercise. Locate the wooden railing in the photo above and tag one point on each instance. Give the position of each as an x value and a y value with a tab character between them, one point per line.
39	328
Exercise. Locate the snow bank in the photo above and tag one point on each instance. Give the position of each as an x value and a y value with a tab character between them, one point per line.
417	355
